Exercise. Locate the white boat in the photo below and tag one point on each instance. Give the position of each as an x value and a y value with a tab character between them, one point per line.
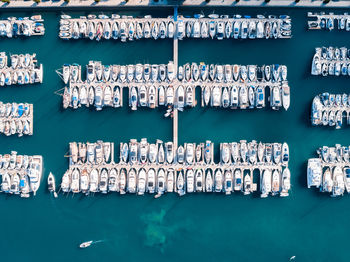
190	181
161	181
51	184
170	182
151	181
86	244
199	180
75	183
265	183
141	182
285	96
113	183
247	186
275	182
338	182
228	188
218	179
180	184
131	181
314	172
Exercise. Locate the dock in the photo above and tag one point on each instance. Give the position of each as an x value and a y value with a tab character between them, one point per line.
148	157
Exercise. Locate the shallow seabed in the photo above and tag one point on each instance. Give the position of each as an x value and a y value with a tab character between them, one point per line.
206	227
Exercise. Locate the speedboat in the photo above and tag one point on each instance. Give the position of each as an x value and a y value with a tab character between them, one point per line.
247	186
122	182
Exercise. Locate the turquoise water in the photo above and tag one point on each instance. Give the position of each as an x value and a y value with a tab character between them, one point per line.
309	225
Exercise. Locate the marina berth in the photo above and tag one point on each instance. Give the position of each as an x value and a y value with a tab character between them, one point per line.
24	69
128	28
330	110
330	172
331	21
331	61
16	118
159	168
20	174
226	86
22	26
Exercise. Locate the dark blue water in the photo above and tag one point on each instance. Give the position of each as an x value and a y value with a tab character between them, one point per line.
311	226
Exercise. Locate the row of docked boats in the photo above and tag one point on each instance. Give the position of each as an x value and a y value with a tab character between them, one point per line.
330	172
181	96
91	153
128	28
330	110
329	21
336	154
231	73
22	26
331	61
145	73
20	174
18	61
246	96
151	96
140	153
24	69
161	180
139	73
99	96
16	119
